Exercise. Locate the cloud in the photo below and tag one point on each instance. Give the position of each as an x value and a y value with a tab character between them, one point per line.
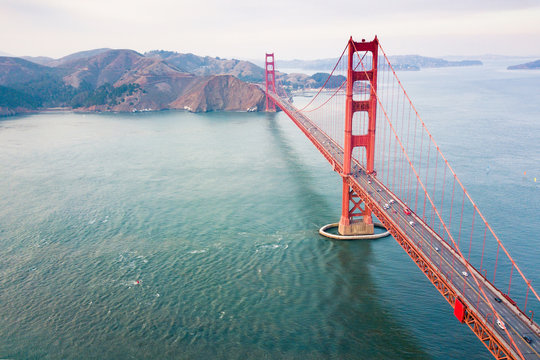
246	29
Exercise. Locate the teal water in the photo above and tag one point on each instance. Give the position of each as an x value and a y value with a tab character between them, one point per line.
216	217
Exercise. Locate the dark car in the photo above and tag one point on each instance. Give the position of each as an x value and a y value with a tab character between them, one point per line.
497	299
527	339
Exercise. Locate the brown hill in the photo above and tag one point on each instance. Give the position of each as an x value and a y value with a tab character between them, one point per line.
158	82
19	71
124	80
221	93
106	67
205	66
41	60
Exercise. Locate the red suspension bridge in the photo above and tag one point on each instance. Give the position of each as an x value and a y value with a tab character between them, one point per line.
366	126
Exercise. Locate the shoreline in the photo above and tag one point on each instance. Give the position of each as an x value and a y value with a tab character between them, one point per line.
62	110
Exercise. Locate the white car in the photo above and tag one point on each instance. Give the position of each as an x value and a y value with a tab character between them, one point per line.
501	324
392	201
436	249
386	206
411	223
465	273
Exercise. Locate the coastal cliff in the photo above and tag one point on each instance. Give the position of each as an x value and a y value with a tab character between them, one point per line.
221	93
123	81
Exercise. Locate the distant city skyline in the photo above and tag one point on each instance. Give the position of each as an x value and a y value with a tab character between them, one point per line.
292	29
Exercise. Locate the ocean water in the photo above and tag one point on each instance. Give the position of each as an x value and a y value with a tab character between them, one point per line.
194	236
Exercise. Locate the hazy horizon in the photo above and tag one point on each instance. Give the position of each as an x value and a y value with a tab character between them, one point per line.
244	30
261	60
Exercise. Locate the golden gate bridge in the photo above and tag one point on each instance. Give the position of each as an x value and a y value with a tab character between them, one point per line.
391	167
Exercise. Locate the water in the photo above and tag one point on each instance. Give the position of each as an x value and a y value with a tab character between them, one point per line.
194	236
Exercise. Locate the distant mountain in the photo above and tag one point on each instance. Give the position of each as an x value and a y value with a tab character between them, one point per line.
114	66
154	83
399	62
42	86
404	61
319	64
203	66
124	80
526	66
19	71
297	81
78	55
41	60
47	61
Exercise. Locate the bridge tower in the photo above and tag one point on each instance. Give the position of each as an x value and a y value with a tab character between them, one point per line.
351	209
270	77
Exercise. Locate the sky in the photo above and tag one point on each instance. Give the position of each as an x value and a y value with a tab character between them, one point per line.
246	29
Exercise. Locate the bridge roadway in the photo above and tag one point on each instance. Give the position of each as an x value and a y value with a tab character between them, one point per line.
439	253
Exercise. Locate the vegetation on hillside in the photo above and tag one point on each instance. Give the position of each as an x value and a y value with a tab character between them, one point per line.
106	94
13	98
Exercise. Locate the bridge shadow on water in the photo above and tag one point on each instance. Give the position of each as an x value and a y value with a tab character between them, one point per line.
357	323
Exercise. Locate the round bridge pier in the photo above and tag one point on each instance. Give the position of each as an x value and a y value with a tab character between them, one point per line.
323	231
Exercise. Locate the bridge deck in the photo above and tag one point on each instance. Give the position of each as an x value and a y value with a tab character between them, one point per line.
437	259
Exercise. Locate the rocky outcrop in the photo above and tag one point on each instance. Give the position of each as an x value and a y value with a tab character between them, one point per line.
221	93
10	111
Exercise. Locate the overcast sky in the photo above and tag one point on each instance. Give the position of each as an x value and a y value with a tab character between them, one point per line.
292	29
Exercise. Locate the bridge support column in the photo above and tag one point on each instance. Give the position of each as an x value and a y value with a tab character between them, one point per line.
270	81
357	219
350	224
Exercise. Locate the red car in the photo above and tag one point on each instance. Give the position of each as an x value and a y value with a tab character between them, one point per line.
407	211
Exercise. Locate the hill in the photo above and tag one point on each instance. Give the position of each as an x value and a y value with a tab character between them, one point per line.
297	81
222	92
527	66
43	85
399	62
19	71
416	62
41	60
124	80
204	66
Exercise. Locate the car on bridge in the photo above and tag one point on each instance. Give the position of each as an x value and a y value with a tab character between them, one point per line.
501	324
527	339
407	211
